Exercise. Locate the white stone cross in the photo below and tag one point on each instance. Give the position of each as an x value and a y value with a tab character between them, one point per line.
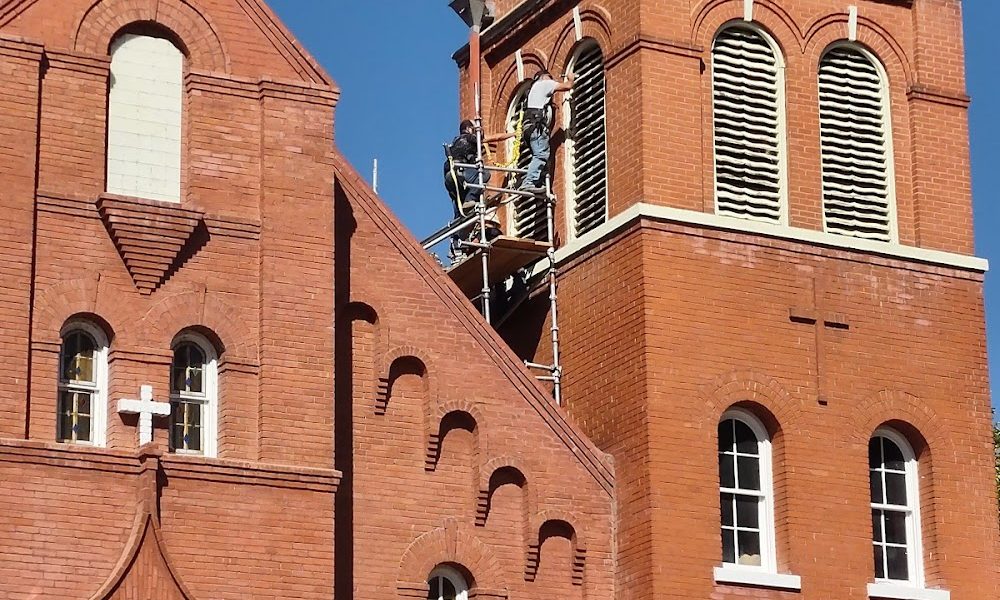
145	407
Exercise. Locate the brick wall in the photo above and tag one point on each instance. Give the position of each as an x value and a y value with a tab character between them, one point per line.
439	467
664	324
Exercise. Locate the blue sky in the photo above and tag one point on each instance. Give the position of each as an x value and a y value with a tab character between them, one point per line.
392	60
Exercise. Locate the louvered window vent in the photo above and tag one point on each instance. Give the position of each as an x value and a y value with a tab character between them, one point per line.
854	135
589	134
530	218
748	113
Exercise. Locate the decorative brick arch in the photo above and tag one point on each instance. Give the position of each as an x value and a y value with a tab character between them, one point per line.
486	490
596	22
191	27
402	360
194	309
748	387
829	29
888	406
712	15
565	520
436	415
452	544
59	302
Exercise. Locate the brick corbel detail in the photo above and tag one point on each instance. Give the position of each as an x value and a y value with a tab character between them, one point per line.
149	236
12	47
95	66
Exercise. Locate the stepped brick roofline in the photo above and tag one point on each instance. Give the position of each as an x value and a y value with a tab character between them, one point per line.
594	460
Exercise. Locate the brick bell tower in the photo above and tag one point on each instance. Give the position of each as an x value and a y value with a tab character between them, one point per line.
770	309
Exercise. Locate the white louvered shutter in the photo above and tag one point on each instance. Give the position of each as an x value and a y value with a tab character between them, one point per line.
590	161
530	217
857	195
747	112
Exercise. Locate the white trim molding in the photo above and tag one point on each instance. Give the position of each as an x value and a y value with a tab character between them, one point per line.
654	212
730	574
895	591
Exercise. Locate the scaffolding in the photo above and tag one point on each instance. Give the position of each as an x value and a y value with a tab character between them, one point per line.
486	262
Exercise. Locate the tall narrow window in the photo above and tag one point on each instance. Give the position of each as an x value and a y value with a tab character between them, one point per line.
855	137
82	405
749	121
745	492
144	118
193	397
446	583
588	145
530	217
895	512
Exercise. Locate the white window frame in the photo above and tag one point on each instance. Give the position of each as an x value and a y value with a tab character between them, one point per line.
209	398
520	93
782	129
890	151
768	547
98	389
569	144
914	545
453	576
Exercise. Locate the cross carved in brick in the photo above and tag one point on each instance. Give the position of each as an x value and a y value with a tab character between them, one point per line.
821	322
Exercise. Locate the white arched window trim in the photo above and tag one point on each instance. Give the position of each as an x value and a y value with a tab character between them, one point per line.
99	389
766	507
913	530
454	577
889	136
210	416
782	129
570	146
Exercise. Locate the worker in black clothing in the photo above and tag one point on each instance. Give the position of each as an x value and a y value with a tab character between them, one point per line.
462	150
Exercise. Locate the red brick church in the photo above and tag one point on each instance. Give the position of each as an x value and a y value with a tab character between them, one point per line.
231	373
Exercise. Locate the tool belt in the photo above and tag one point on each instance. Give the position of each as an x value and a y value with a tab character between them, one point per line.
535	119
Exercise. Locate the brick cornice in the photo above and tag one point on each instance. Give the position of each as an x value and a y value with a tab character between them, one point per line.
238	472
312	94
69	456
97	66
16	47
250	473
242	87
745	232
656	44
927	94
230	226
66	204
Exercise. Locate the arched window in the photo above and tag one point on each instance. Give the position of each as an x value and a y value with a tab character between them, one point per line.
194	396
895	509
748	95
529	218
447	584
856	145
144	118
588	140
83	385
746	492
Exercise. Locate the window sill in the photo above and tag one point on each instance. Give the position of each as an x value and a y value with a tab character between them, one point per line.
895	591
737	576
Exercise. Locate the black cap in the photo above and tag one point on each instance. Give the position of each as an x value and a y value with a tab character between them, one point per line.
466	124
